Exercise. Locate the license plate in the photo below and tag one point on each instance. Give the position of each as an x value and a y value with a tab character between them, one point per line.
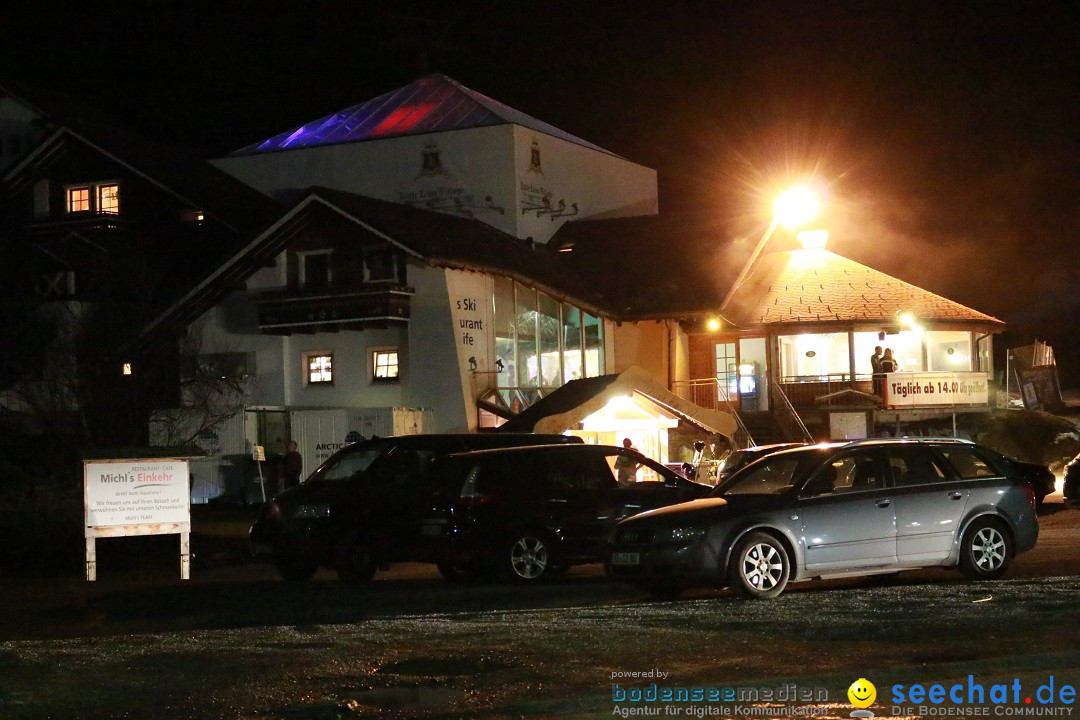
625	558
431	529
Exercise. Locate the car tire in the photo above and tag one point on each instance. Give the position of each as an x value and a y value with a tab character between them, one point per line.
294	566
986	550
529	556
355	560
760	567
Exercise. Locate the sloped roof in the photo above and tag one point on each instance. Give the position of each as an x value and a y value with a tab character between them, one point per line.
802	286
434	103
576	400
437	238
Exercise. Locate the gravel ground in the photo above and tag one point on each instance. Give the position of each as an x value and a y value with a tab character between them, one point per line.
237	644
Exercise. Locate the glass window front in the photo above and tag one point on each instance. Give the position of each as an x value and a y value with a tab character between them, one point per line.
541	342
549	326
525	328
573	361
949	350
594	346
907	347
505	364
811	356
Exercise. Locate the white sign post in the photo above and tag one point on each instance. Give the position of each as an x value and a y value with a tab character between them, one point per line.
136	497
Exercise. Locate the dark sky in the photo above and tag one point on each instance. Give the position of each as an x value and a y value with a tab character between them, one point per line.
947	133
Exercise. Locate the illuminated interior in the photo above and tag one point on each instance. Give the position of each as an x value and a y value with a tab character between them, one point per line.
632	417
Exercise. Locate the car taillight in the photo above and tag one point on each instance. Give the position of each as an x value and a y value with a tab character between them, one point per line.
470	493
1030	495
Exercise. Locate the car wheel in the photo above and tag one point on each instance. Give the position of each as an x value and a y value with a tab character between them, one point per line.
760	567
294	566
355	560
986	550
529	557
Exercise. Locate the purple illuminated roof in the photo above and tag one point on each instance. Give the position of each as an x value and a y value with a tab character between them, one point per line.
434	103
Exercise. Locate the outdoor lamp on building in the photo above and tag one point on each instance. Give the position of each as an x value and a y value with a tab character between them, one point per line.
792	208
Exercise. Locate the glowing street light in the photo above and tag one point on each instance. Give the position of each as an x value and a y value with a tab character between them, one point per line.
792	208
795	206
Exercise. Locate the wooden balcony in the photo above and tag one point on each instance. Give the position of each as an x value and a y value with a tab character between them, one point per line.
332	309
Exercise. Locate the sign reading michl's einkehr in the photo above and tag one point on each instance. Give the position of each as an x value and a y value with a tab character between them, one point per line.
136	497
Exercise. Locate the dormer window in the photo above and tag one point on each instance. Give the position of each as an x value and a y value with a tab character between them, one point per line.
315	269
101	198
78	199
108	199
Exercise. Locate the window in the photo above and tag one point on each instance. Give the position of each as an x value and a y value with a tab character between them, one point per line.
967	464
320	368
385	365
103	198
108	199
913	466
315	269
78	199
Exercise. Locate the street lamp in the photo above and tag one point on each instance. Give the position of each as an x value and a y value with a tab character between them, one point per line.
792	208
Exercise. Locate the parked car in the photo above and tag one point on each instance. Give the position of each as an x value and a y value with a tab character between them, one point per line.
1071	487
530	513
819	511
1038	477
358	510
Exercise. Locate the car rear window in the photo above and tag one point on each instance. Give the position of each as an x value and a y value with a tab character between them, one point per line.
968	464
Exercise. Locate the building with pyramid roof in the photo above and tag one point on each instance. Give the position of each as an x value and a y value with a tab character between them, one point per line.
438	145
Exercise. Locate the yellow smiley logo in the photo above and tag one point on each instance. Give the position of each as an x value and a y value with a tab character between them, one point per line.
862	693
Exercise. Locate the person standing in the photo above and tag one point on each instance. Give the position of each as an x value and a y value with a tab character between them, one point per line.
626	467
878	376
292	465
888	363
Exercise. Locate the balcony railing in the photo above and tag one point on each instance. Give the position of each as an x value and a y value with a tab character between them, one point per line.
284	312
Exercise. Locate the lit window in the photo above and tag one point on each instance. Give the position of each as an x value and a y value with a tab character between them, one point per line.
108	199
127	368
320	369
386	365
78	199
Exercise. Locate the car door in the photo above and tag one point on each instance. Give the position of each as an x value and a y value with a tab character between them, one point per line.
576	487
929	501
846	514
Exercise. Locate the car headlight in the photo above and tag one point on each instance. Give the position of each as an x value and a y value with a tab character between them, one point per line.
320	510
681	534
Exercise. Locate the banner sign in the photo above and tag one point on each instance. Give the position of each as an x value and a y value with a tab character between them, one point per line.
931	389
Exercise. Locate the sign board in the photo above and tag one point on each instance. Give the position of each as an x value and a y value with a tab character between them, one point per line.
136	497
258	453
935	389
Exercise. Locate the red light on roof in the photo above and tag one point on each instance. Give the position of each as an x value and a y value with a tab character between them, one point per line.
403	119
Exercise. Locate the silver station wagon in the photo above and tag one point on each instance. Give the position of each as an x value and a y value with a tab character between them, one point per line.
835	510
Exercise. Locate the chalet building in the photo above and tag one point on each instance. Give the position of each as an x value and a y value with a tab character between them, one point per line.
101	228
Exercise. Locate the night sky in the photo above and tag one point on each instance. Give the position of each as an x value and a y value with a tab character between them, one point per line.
946	133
